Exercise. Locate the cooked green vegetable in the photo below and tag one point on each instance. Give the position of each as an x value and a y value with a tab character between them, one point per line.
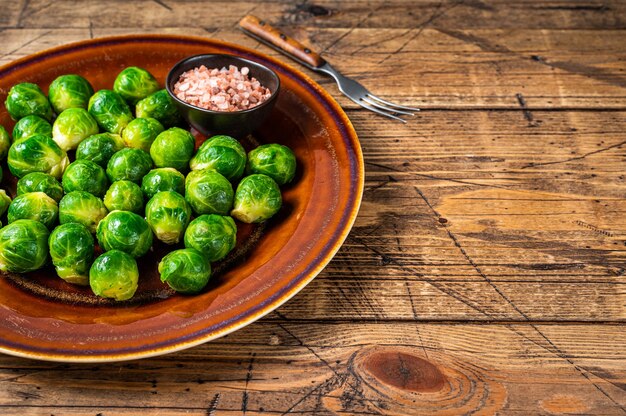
185	270
73	126
5	201
124	196
222	153
99	148
274	160
25	99
208	192
173	149
37	154
110	111
31	126
23	246
141	132
168	215
72	250
40	182
83	208
257	198
129	164
125	231
69	91
34	206
85	175
134	84
162	179
212	235
5	143
114	275
159	105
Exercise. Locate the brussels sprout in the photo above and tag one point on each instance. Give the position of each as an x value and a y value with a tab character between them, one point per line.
23	246
134	84
110	111
37	154
185	270
208	192
159	105
124	196
72	249
73	126
99	148
25	99
5	201
257	198
40	182
141	132
69	91
5	143
223	154
34	206
129	164
162	179
114	275
168	215
83	208
85	175
30	126
274	160
212	235
125	231
173	149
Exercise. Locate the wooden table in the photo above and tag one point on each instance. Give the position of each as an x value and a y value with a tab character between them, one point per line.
486	269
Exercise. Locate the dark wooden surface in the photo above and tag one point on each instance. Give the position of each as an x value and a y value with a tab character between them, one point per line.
486	269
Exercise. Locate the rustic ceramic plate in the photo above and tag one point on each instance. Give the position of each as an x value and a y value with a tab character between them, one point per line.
43	317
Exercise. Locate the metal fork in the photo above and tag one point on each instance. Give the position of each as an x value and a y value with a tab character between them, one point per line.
274	38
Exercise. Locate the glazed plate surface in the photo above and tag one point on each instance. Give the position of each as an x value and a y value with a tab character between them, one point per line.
45	318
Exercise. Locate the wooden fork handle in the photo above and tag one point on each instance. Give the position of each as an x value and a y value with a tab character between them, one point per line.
264	32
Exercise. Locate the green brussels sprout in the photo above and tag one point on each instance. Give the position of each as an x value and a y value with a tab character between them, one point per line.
124	196
257	198
72	249
129	164
37	154
159	105
173	149
168	215
141	132
162	179
73	126
99	148
134	84
40	182
114	275
30	126
23	246
208	192
125	231
110	111
212	235
5	143
83	208
34	206
185	270
25	99
85	175
274	160
5	201
69	91
223	154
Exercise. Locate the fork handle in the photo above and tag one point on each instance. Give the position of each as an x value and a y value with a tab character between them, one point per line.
274	37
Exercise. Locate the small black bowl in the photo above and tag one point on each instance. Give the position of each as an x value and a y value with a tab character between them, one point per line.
233	123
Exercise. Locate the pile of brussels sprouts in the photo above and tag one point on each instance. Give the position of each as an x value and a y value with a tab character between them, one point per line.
135	177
